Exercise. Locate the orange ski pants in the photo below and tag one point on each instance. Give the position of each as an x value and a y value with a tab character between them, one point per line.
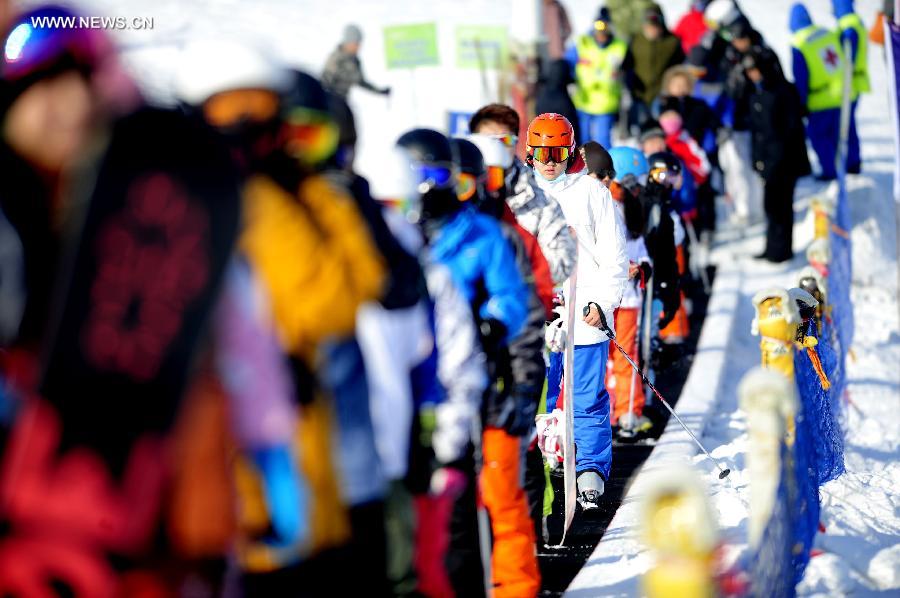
626	334
514	565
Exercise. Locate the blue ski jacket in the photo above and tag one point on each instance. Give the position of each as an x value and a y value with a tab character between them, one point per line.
483	266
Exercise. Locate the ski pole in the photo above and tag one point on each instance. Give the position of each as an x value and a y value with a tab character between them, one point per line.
723	471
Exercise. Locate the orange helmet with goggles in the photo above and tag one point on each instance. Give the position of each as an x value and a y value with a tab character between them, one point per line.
550	138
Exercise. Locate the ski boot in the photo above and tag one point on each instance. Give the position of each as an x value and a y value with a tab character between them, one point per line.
630	425
590	489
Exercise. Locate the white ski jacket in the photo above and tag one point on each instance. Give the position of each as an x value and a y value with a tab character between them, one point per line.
602	262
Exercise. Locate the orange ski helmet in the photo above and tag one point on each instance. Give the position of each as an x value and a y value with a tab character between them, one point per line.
550	130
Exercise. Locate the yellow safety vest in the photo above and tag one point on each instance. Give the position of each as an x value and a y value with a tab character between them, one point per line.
860	64
821	49
597	76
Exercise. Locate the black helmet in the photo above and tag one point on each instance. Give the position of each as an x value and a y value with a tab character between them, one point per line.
664	168
427	146
432	156
467	157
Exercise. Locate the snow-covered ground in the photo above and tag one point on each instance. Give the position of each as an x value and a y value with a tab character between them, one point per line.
861	510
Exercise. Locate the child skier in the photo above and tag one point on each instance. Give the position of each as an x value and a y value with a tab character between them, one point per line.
626	388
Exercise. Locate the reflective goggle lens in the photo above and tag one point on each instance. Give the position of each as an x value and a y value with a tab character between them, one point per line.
664	176
435	175
601	26
28	49
231	107
466	186
495	178
508	139
311	136
545	155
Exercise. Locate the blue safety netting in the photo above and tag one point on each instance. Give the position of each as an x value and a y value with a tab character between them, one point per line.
806	501
833	363
771	571
827	437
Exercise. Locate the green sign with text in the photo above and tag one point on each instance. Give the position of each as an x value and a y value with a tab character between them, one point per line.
480	46
409	46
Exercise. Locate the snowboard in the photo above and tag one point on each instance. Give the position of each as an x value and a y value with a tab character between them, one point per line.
88	456
569	476
141	280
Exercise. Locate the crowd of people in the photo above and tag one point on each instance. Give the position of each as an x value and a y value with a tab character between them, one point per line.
233	364
708	83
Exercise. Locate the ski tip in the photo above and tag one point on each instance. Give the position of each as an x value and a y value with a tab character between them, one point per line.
724	474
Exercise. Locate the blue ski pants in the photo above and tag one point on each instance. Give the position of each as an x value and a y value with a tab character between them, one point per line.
593	435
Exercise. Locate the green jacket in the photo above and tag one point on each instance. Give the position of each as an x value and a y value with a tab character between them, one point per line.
651	60
628	16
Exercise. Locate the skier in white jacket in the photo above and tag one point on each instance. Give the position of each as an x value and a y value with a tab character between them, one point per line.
601	272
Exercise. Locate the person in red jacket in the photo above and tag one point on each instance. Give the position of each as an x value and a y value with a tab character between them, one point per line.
691	26
684	147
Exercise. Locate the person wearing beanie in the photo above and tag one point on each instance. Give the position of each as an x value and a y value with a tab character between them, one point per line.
601	63
817	60
853	32
598	161
343	69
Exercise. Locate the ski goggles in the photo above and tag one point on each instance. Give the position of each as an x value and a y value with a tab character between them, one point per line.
466	186
545	155
495	179
28	50
507	139
434	176
234	106
310	136
600	25
664	176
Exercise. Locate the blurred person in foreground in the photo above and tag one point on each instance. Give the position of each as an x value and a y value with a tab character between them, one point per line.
120	244
343	69
308	252
779	149
509	413
483	267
